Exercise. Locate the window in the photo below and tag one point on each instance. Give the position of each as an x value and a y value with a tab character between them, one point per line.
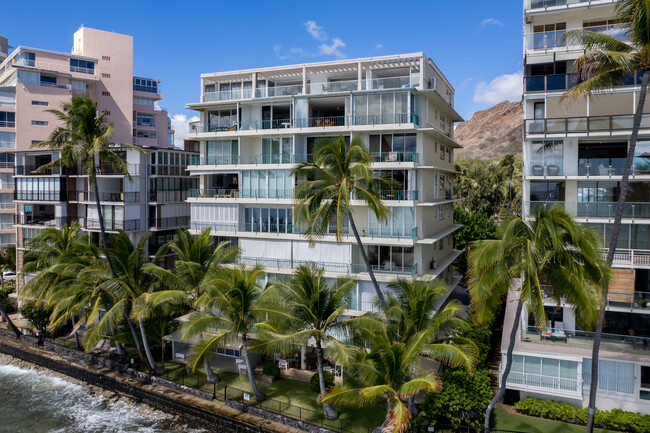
390	258
145	120
644	393
267	184
613	376
546	191
277	150
47	80
43	103
107	58
442	152
389	107
146	134
105	93
107	112
25	58
268	220
145	85
546	373
39	123
546	157
392	147
401	221
7	140
221	152
82	66
7	119
142	101
547	36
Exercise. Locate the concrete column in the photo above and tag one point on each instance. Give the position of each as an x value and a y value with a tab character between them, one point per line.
254	85
303	355
304	80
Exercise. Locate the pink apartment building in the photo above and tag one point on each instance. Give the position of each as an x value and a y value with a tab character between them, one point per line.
100	66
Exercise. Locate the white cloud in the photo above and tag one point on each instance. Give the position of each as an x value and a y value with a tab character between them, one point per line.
489	21
333	48
317	32
290	53
181	127
506	86
379	46
465	82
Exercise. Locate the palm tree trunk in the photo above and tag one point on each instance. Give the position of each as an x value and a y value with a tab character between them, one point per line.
11	324
210	375
137	343
328	410
380	295
145	343
616	228
506	372
259	395
120	350
413	410
100	214
76	340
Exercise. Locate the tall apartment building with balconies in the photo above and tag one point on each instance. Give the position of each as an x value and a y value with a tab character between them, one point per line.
256	124
100	66
574	155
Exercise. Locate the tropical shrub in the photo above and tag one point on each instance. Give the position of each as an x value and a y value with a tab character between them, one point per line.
615	419
38	317
463	399
315	384
6	289
271	370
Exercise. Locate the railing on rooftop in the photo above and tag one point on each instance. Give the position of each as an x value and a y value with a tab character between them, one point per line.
537	4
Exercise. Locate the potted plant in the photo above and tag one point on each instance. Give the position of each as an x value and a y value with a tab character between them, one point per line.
311	361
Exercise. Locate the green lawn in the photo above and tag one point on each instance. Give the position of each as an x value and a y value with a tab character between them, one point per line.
289	397
510	421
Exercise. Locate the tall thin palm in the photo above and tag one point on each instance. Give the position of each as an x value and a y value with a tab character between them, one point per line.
507	167
226	312
337	175
385	372
416	312
198	262
83	140
604	65
550	254
307	307
127	280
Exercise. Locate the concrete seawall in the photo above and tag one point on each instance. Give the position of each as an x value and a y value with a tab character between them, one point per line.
195	409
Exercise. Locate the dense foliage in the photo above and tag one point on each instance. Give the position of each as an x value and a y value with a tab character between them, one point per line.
271	370
314	381
615	419
6	289
463	400
487	187
477	226
38	317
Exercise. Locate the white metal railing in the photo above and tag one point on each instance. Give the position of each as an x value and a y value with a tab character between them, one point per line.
4	205
630	257
538	382
82	70
6	226
610	384
7	144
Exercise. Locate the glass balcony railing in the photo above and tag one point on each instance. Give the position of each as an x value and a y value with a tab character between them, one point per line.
631	210
227	95
584	125
602	166
628	299
7	124
551	82
389	83
269	92
618	31
332	87
399	195
169	222
395	157
537	4
583	339
113	225
545	40
339	268
215	193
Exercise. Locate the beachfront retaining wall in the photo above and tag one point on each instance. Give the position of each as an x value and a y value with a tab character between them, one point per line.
134	387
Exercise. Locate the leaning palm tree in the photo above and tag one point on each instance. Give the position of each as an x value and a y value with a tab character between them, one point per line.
604	65
226	312
82	140
307	307
416	311
198	263
338	174
548	255
386	372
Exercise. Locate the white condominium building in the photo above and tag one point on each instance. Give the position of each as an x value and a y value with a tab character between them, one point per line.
256	124
574	155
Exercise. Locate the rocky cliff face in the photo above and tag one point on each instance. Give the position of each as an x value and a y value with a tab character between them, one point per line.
491	133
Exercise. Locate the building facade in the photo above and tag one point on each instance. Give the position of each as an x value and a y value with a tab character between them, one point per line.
255	125
574	155
100	66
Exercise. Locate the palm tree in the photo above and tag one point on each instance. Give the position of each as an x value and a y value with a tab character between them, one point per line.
307	307
197	264
7	260
126	282
415	310
337	175
227	311
549	255
604	65
81	139
507	167
384	372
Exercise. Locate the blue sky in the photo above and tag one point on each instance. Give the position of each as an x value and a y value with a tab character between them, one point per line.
477	44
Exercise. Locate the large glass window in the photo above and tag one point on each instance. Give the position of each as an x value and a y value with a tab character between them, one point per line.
145	85
546	373
267	184
392	147
7	119
401	221
546	157
82	66
221	152
612	375
390	258
383	108
276	150
268	220
145	120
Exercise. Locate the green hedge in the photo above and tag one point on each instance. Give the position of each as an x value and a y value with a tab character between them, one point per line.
615	419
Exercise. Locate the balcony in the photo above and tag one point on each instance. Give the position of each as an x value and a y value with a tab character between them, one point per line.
37	195
551	82
399	195
37	170
250	159
602	125
631	210
338	268
270	92
389	83
112	225
169	222
168	196
584	340
630	258
547	384
289	228
310	122
227	95
538	4
545	40
332	87
395	157
631	300
241	193
44	221
118	197
7	124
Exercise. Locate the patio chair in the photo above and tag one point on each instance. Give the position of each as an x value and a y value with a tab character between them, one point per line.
283	363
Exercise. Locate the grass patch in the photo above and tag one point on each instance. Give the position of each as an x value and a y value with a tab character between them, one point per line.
506	420
288	397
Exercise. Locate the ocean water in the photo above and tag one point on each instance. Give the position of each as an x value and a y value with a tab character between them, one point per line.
33	401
